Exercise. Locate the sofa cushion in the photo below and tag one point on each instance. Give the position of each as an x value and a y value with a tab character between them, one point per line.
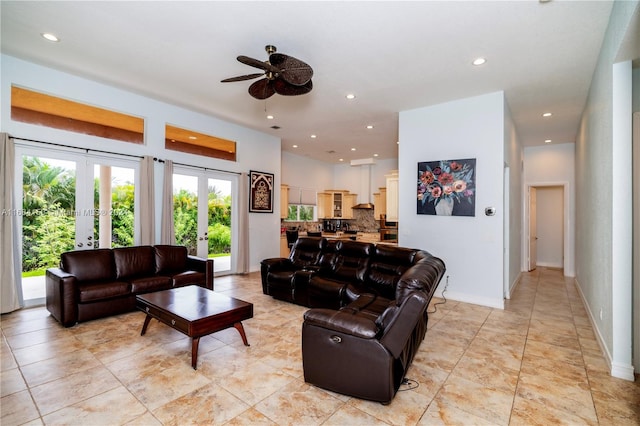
149	284
90	292
170	259
89	265
132	262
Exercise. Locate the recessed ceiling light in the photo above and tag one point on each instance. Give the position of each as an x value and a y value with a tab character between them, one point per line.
479	61
50	37
547	114
295	146
350	96
369	127
353	149
342	159
269	117
375	155
313	136
193	138
547	141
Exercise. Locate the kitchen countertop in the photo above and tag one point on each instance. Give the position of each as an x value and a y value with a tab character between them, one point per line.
365	237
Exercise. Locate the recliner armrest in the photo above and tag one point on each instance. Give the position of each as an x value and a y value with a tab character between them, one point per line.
342	322
399	330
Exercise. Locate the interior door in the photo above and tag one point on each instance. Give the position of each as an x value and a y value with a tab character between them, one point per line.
533	238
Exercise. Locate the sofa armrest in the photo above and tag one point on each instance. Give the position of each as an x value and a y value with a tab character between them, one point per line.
61	296
199	264
401	327
343	322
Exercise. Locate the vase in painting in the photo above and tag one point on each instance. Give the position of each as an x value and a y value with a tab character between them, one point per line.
444	207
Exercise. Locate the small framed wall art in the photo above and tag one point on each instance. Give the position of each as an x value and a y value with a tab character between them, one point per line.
447	187
260	192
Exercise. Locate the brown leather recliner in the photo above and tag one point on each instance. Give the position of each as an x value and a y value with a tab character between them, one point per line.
365	348
369	311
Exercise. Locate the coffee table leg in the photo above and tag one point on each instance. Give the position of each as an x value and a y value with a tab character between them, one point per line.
146	323
240	329
194	352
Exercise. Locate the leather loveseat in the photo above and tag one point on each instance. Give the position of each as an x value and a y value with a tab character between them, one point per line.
97	283
369	310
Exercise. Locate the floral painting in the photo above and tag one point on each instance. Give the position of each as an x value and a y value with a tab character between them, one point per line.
447	187
260	192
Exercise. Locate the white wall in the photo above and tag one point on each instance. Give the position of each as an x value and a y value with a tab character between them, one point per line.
600	272
349	177
553	165
255	150
471	247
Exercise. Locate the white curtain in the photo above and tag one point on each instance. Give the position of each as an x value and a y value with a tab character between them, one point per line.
147	210
243	225
10	256
167	231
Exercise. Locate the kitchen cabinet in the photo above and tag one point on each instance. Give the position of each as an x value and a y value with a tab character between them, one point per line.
284	247
392	196
336	204
284	201
379	203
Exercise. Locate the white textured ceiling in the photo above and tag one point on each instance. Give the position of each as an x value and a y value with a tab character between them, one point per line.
394	56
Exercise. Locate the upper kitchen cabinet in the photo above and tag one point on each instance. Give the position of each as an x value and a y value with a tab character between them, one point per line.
284	201
336	204
392	196
379	203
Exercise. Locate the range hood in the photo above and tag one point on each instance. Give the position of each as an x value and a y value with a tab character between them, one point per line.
365	183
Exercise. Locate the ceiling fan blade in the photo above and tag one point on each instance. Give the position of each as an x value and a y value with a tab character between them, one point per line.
262	89
283	88
292	70
257	64
242	77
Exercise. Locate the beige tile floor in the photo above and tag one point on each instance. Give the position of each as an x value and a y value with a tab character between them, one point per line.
535	363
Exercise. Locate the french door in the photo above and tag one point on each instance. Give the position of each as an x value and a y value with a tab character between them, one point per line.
204	208
71	201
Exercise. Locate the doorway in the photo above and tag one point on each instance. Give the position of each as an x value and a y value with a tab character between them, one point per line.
71	201
547	220
203	211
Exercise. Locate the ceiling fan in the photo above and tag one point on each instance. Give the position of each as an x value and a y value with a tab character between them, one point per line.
283	74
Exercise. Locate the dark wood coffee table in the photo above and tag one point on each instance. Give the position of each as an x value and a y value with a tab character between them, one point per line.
196	312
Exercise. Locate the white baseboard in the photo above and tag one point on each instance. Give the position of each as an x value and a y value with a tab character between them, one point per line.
514	284
621	371
550	264
473	299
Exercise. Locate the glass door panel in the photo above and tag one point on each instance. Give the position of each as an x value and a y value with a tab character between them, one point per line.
113	206
48	218
185	211
219	223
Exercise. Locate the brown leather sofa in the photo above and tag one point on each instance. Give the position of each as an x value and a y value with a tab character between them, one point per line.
369	310
97	283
